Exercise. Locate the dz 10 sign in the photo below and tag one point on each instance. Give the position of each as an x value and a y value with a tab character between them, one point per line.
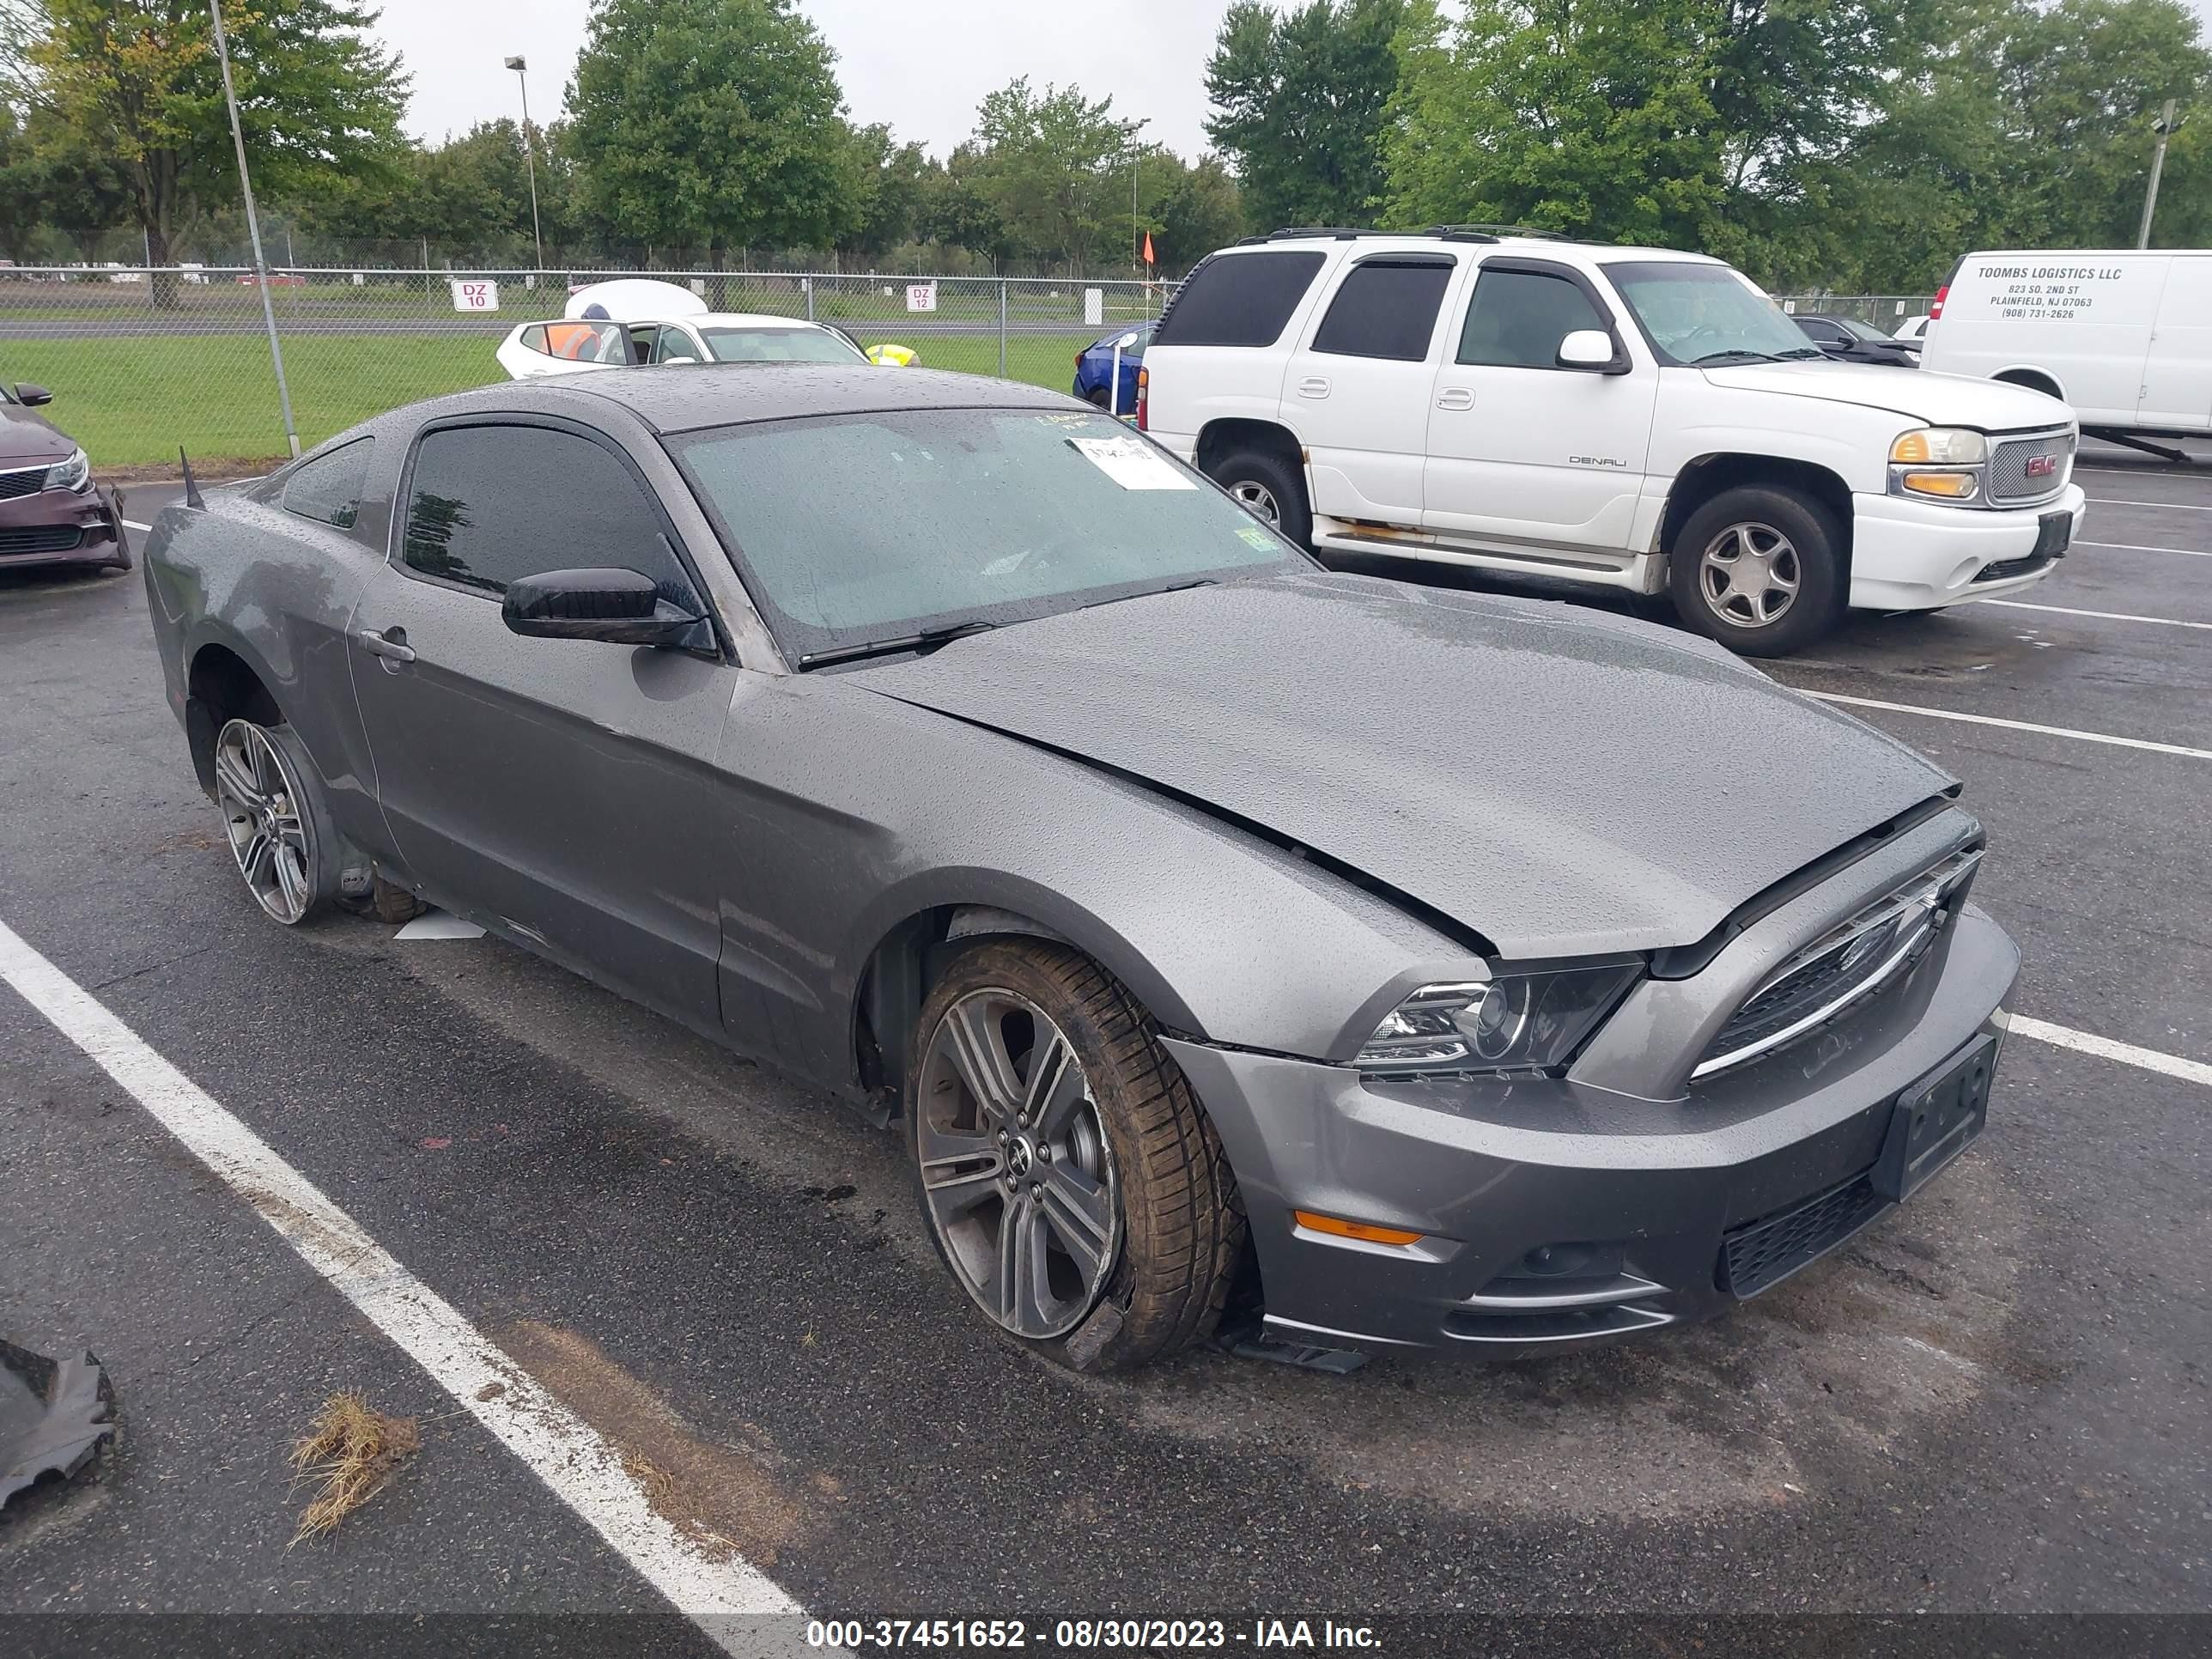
470	294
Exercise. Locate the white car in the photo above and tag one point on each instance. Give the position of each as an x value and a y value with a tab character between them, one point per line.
1633	417
2124	336
634	321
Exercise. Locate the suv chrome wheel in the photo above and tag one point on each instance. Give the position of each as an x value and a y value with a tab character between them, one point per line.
264	815
1259	499
1016	1171
1749	575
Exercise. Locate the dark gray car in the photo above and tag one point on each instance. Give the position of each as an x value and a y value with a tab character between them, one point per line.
1409	967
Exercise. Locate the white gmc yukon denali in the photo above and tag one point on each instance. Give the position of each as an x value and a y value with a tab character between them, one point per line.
1639	418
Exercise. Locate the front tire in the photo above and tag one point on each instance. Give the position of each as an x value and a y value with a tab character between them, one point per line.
276	819
1760	569
1066	1173
1270	488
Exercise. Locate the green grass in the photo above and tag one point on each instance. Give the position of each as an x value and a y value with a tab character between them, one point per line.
133	402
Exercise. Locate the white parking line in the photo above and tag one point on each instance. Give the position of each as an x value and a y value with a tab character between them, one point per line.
133	524
2138	547
2013	726
2107	615
727	1597
2179	507
2150	1059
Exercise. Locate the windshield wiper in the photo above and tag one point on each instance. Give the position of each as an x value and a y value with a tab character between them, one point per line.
1172	587
924	640
1806	354
1734	355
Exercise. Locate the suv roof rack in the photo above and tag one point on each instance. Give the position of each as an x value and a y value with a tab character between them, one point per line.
1442	233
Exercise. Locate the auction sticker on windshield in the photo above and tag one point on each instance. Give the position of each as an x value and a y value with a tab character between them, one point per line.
1131	462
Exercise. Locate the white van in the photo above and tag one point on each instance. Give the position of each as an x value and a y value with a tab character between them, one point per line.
2125	338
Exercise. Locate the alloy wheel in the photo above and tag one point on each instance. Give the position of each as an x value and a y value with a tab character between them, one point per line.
1259	499
1016	1171
1749	574
261	811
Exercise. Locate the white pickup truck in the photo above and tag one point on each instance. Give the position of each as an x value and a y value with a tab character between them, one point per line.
1634	417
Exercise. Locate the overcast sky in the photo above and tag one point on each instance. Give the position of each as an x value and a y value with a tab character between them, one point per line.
922	65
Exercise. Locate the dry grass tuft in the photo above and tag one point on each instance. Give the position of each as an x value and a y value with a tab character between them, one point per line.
352	1451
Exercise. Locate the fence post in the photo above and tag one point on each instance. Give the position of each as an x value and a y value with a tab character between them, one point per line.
807	282
1002	328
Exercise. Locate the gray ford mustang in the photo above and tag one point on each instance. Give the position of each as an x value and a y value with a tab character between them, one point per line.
1396	967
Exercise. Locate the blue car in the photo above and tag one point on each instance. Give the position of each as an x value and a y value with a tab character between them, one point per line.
1094	367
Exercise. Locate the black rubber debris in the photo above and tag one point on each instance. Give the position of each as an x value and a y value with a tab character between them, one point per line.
53	1415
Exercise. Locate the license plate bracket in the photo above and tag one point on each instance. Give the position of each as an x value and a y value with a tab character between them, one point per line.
2054	534
1935	1120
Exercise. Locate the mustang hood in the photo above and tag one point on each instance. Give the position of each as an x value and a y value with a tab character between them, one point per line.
1561	781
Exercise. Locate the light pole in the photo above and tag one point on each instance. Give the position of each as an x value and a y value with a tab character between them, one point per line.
2165	125
1136	263
529	157
253	229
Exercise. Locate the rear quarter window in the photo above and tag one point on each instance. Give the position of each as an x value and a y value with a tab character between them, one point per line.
328	487
1239	299
1385	308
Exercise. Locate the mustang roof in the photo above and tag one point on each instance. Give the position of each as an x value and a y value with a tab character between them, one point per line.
670	400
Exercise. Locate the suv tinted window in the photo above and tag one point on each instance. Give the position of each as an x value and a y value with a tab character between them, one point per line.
1518	319
1238	298
488	505
328	489
1385	308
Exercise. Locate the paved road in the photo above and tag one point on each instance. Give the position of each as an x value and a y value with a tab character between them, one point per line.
1996	1401
492	327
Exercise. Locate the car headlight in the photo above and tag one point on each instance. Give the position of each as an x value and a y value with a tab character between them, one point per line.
1515	1022
1939	445
1943	463
74	473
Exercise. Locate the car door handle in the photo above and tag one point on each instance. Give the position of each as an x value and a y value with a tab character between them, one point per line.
391	647
1313	387
1454	397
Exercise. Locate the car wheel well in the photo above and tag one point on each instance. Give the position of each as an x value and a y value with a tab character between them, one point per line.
900	970
1221	438
221	687
2033	379
1709	475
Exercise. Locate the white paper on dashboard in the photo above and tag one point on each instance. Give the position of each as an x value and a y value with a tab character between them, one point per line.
1131	462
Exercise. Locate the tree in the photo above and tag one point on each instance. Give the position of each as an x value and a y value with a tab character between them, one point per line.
1593	117
884	191
710	123
135	85
470	196
1054	166
1192	210
1300	107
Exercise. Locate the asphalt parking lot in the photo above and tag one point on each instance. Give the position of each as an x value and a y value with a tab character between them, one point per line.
1997	1401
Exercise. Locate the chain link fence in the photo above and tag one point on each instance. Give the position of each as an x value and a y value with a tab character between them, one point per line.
143	361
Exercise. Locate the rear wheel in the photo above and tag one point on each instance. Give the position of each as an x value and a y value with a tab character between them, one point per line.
1270	488
1067	1177
1760	569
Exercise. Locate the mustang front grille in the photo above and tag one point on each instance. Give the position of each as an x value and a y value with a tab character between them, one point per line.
1764	1252
1845	965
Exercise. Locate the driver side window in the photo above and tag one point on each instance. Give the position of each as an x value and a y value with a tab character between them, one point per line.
675	346
1518	319
489	505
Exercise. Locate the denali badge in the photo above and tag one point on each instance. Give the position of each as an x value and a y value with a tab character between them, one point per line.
2042	466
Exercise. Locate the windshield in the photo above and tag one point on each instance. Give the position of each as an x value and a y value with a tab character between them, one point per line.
778	345
854	529
1697	314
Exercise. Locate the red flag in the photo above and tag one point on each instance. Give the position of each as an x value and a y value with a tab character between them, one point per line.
1148	247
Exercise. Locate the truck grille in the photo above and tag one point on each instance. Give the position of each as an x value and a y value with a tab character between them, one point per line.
2010	483
1842	968
23	481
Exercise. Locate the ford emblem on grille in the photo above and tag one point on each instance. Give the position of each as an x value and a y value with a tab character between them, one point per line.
2042	466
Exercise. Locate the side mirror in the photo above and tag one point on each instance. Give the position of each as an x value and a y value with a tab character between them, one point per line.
31	396
1592	349
620	607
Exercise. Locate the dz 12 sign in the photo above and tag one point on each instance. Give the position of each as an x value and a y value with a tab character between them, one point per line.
922	296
